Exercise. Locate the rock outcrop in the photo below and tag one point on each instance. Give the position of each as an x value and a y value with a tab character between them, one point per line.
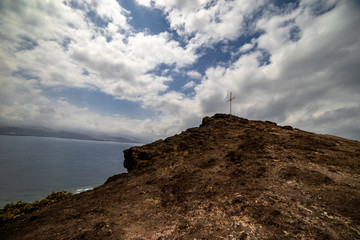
230	178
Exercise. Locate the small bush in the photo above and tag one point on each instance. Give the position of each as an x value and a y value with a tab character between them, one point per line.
178	153
14	210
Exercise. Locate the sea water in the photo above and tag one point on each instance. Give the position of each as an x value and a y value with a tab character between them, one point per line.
33	167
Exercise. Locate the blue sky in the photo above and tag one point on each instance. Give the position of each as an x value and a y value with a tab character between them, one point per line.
152	68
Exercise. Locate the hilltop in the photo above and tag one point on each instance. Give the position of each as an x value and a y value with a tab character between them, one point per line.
229	178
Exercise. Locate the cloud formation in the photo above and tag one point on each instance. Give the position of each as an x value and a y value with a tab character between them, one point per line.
294	63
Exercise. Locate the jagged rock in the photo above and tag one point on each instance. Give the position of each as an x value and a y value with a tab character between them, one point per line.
136	158
230	178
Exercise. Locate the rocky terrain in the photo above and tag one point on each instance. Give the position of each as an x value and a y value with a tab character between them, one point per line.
230	178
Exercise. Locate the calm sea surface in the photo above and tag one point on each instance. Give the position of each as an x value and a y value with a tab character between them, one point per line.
32	167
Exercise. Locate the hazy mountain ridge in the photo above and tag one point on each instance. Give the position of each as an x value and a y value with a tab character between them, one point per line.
230	178
45	132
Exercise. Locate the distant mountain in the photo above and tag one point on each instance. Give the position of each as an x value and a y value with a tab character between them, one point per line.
44	132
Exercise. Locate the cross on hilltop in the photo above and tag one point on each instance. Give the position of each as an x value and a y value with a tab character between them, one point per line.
230	100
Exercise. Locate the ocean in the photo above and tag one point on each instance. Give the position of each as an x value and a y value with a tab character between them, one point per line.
32	167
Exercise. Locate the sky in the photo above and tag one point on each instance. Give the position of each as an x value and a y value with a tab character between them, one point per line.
153	68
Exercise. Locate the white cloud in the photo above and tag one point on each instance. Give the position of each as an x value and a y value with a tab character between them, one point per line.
194	74
155	49
208	21
50	44
38	20
122	69
246	47
146	3
188	85
307	79
111	10
311	80
119	67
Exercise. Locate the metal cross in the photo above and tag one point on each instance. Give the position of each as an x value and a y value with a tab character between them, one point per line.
230	100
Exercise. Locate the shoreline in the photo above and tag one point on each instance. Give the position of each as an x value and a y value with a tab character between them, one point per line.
30	198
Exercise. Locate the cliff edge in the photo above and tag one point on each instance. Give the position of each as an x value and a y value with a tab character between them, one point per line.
229	178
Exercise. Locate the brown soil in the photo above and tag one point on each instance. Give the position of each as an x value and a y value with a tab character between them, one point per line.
230	178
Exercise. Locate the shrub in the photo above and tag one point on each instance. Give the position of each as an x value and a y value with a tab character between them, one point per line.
14	210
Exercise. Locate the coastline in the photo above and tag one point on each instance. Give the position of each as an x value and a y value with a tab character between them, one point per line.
30	198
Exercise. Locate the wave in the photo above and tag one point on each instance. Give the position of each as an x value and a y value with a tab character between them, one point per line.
80	190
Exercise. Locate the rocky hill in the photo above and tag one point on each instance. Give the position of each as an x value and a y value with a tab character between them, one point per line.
230	178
